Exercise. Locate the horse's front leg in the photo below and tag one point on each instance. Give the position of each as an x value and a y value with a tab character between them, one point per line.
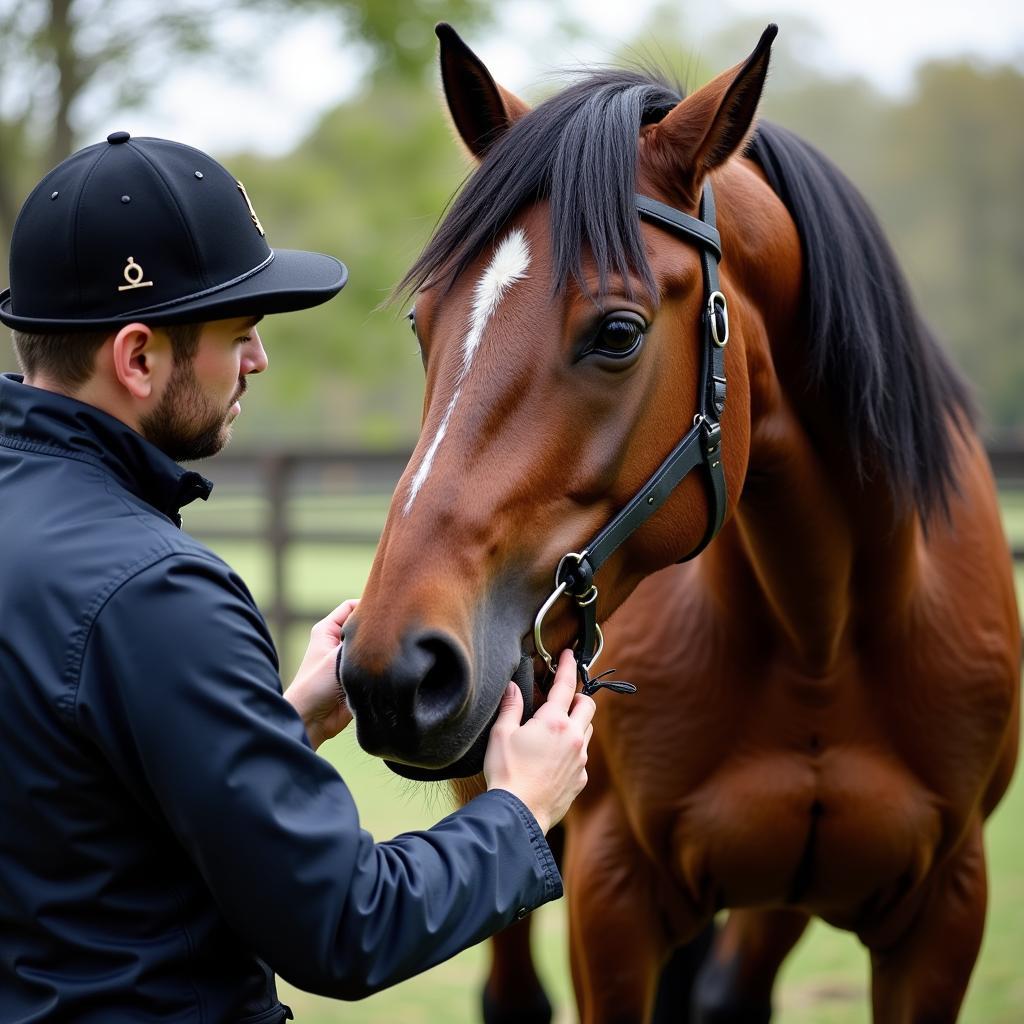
513	993
922	977
734	985
617	935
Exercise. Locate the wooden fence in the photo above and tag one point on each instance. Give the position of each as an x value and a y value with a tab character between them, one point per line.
279	477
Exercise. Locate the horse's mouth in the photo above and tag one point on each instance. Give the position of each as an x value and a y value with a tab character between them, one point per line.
472	761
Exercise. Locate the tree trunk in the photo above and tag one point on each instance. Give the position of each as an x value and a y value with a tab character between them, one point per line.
69	83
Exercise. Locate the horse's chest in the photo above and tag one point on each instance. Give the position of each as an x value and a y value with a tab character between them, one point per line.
785	791
828	833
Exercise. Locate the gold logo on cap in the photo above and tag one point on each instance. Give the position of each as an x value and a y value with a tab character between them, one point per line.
252	212
133	274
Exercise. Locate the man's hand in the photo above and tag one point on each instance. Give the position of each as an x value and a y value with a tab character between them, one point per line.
316	693
544	761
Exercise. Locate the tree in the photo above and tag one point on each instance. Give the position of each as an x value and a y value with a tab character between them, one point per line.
60	57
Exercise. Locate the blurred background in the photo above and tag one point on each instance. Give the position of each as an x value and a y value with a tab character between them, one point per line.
330	112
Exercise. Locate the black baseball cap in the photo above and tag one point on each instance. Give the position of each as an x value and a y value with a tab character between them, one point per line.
150	230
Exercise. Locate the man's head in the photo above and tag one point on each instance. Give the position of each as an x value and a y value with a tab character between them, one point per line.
116	257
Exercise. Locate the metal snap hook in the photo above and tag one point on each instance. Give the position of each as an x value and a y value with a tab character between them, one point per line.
538	623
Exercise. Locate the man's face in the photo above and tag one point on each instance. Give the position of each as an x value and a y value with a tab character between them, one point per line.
201	398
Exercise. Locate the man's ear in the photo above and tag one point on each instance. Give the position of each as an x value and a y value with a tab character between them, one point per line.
702	131
137	355
481	109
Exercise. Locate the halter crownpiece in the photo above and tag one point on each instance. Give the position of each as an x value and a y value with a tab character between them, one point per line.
701	445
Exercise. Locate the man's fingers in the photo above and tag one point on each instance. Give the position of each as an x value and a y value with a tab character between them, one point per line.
331	624
583	708
563	688
510	710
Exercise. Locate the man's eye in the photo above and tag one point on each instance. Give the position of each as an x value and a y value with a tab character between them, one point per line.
619	336
245	339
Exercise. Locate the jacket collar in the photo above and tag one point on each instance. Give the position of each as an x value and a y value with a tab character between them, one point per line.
39	420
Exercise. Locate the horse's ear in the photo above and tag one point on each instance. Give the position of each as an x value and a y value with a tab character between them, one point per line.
480	108
704	130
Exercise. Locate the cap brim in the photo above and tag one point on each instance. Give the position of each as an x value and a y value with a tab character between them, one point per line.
292	280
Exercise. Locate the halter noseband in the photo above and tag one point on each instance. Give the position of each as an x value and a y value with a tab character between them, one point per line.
701	445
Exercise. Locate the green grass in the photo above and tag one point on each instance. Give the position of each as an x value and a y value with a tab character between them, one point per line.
825	981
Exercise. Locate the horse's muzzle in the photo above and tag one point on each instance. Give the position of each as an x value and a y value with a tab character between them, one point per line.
421	711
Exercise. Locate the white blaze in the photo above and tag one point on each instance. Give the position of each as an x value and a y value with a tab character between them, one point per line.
508	265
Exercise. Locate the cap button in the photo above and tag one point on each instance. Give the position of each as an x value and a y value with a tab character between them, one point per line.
114	137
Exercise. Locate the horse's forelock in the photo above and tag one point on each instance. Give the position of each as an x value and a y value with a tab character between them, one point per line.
579	150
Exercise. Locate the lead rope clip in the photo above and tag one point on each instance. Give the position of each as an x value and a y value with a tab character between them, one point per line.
599	682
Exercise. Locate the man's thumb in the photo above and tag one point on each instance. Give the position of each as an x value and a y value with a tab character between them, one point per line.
510	711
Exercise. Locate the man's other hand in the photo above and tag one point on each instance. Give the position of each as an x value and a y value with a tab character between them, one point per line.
316	692
544	761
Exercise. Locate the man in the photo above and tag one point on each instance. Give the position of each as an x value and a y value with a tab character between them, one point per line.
168	837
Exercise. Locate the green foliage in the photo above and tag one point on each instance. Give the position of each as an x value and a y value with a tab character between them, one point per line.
944	171
401	34
366	186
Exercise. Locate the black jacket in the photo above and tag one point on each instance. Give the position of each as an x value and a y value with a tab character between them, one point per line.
166	830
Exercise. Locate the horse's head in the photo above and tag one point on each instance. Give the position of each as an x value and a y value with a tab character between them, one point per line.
562	341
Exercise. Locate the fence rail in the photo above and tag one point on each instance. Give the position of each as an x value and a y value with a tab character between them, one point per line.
278	478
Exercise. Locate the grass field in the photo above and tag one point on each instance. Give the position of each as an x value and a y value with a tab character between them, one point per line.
823	982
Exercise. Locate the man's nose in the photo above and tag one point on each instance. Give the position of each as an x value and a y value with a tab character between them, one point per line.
255	359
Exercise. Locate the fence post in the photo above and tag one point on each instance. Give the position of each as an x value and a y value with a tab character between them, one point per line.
277	468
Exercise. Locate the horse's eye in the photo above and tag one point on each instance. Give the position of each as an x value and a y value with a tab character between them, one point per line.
619	335
411	317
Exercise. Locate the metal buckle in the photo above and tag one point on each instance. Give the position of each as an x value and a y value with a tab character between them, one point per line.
586	599
720	342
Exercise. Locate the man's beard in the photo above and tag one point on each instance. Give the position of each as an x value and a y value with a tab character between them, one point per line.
184	425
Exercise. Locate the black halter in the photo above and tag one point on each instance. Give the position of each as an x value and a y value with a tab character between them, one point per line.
701	445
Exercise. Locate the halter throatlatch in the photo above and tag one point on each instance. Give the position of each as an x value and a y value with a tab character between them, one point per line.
702	445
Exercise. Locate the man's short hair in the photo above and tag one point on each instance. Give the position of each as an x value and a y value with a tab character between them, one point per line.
69	359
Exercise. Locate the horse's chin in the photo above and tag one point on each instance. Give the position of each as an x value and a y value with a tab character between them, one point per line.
472	761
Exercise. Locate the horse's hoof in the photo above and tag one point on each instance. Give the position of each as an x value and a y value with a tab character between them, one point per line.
536	1010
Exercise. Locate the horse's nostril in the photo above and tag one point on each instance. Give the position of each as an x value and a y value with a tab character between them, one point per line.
444	682
411	705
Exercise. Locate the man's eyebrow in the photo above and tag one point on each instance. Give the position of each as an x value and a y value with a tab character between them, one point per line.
251	322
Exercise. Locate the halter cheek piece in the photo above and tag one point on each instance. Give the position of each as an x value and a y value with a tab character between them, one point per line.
701	445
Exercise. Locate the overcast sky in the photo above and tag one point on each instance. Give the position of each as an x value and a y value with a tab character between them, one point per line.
305	69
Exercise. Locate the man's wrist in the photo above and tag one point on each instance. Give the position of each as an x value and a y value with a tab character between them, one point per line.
316	734
313	729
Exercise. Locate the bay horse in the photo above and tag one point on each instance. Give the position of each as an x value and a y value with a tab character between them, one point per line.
827	697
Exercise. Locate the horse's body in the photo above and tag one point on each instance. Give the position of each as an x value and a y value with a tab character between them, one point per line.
827	697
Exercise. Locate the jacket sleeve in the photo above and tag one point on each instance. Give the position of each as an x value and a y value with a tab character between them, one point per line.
179	688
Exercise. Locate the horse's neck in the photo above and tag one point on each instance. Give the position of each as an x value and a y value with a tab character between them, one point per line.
822	549
813	540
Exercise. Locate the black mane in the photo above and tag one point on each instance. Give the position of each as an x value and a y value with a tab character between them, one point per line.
868	349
